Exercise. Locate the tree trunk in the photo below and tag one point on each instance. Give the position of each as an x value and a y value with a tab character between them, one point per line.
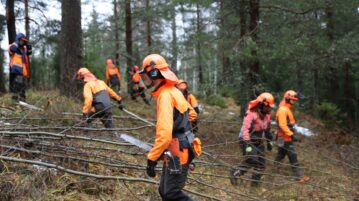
70	46
332	77
148	26
117	39
253	29
198	44
2	77
128	43
10	21
27	33
226	68
174	41
243	67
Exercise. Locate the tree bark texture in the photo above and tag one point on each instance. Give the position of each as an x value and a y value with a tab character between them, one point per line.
128	24
71	37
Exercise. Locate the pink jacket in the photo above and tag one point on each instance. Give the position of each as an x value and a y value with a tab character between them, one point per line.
253	123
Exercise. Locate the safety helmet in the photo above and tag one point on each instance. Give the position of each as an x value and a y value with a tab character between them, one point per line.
155	66
264	99
290	95
267	99
85	75
21	36
182	85
135	68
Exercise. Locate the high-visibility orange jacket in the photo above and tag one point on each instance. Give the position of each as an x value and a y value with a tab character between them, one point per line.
94	88
192	100
172	108
19	60
285	119
112	71
136	78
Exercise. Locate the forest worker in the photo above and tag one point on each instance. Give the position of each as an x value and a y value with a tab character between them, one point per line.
113	76
97	95
173	129
138	88
286	135
254	133
183	87
19	66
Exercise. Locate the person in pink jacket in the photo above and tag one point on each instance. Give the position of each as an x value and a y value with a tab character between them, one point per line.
254	133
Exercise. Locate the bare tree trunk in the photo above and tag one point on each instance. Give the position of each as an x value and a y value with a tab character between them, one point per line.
226	71
10	20
11	28
174	41
198	45
243	67
70	46
2	77
128	42
332	77
253	29
117	39
148	26
27	33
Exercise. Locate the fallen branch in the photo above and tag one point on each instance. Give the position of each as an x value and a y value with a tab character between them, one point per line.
19	133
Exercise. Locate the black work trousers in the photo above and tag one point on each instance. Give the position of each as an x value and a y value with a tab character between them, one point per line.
288	149
18	86
171	185
105	117
254	159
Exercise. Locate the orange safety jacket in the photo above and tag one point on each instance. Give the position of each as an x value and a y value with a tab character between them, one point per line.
97	95
173	115
112	73
19	62
136	78
192	100
285	119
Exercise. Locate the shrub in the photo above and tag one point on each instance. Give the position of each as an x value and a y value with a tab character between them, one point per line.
328	112
216	100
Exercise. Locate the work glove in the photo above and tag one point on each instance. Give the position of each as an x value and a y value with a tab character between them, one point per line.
120	105
296	138
151	166
269	145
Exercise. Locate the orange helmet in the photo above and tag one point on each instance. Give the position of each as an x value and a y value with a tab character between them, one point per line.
182	85
266	98
156	61
290	95
135	68
85	75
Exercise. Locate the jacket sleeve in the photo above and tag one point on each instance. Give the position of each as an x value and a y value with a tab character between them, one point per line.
192	113
113	94
12	49
107	76
247	124
118	74
193	101
282	121
163	127
87	99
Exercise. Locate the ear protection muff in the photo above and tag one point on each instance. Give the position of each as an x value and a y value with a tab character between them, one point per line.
154	73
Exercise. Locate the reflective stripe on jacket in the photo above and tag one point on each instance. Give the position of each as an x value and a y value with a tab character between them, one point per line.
93	96
173	112
284	118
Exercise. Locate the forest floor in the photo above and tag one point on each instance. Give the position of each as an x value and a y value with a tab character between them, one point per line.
76	155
